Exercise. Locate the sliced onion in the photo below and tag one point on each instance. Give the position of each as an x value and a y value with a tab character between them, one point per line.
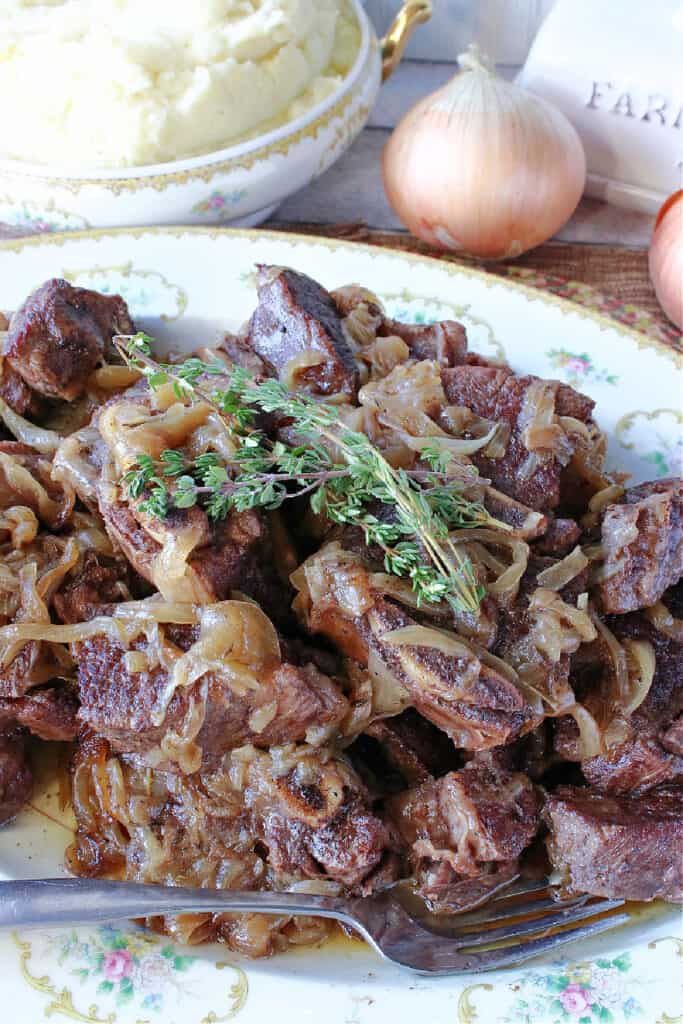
304	360
621	692
642	665
423	636
555	577
389	696
664	622
590	741
44	441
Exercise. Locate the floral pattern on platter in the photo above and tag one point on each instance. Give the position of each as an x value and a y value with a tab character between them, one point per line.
118	974
656	437
579	367
127	966
39	217
145	291
220	205
582	993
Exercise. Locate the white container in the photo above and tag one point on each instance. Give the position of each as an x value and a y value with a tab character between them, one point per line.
239	185
615	68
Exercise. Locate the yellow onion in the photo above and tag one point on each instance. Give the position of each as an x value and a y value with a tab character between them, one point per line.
666	258
484	167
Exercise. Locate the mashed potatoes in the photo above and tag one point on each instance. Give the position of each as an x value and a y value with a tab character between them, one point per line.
114	83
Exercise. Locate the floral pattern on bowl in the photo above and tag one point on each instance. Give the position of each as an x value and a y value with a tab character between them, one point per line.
218	206
143	290
39	217
578	367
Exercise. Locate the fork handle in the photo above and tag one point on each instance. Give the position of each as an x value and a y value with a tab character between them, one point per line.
55	902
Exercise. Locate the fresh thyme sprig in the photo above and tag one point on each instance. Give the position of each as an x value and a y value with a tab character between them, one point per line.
346	478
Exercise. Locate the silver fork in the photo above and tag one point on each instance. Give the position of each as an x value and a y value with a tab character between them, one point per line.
519	922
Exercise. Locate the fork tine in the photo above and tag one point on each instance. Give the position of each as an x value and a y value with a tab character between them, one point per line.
537	924
502	910
512	955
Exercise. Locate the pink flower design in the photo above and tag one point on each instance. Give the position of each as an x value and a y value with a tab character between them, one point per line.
117	965
577	365
217	201
575	1000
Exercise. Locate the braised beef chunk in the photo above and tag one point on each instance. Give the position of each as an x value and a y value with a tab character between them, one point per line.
626	847
314	820
99	584
476	706
61	334
643	544
16	780
121	691
637	758
531	469
296	328
465	825
18	395
444	342
559	539
234	555
49	714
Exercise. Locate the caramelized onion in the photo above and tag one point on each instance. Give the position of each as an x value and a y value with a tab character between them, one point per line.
555	577
642	665
664	622
590	742
302	361
423	636
44	441
621	688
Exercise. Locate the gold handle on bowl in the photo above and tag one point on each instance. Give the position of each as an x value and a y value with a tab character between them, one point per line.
412	14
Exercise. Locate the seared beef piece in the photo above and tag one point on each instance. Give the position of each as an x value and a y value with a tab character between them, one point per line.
235	350
295	315
559	539
672	740
99	583
314	819
16	780
626	847
411	736
404	751
467	819
641	759
26	479
474	704
18	395
447	892
533	478
119	702
643	544
61	334
444	342
48	713
525	523
235	556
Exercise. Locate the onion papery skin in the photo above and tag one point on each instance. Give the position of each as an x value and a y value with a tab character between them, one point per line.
492	173
666	258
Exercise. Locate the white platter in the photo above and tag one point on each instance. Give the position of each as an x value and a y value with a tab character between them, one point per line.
186	286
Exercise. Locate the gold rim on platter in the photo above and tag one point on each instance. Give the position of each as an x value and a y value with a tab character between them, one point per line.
61	238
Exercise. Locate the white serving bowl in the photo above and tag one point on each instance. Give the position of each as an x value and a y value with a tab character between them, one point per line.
238	186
